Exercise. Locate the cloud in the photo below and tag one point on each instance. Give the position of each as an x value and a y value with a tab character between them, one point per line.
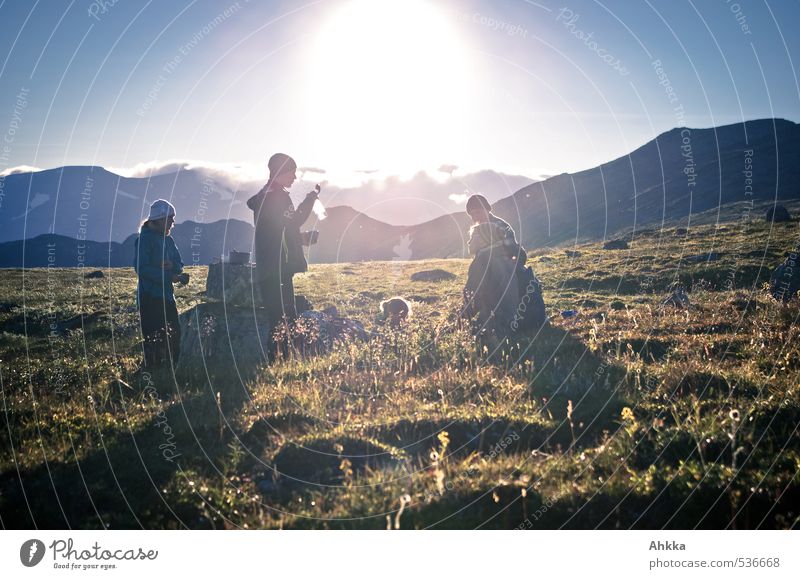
231	172
311	170
19	169
406	200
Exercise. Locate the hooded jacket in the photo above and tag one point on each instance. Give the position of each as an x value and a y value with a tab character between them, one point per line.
278	242
150	250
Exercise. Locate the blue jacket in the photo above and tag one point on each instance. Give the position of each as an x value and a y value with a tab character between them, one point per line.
150	249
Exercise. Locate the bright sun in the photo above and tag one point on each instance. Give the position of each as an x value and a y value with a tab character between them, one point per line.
388	85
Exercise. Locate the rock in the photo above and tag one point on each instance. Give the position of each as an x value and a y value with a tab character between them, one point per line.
778	214
302	303
679	299
217	331
681	231
234	284
704	257
78	322
616	244
317	332
96	274
570	253
432	275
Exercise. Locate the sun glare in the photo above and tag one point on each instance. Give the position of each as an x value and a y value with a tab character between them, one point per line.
388	85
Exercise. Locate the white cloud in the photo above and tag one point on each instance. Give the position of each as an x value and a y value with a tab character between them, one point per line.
458	197
233	172
19	169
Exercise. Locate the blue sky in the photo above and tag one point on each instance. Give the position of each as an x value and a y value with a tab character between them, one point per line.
531	88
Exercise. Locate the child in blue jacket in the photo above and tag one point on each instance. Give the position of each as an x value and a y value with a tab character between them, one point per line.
158	263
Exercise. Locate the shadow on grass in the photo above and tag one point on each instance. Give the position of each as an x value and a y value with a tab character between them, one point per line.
121	482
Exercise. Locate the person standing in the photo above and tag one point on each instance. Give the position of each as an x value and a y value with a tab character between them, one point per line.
278	241
158	264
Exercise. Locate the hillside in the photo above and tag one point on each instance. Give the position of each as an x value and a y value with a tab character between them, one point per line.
672	179
626	415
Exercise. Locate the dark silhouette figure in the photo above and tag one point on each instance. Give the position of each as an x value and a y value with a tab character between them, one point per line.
158	264
501	291
279	242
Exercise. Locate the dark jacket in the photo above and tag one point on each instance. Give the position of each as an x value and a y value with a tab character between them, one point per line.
150	250
278	242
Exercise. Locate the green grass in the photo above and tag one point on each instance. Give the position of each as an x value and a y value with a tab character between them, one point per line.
628	415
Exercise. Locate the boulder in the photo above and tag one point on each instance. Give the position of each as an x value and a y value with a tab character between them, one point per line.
678	298
704	257
432	275
778	214
233	283
96	274
616	244
218	332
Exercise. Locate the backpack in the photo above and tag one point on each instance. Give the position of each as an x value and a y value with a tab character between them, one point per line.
531	314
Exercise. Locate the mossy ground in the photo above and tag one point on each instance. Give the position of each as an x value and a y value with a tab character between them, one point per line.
626	415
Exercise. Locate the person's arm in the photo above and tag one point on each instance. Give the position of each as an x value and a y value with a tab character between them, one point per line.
146	263
177	263
303	211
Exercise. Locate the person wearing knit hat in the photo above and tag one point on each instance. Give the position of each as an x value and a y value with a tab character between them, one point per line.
161	209
158	264
279	243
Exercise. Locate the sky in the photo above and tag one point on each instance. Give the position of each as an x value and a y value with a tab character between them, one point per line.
365	87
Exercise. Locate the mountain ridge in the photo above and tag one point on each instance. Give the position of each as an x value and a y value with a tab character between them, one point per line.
680	173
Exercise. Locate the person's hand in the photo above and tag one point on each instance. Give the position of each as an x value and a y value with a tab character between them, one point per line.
313	194
176	278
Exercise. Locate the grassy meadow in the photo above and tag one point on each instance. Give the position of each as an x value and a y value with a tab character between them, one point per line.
627	415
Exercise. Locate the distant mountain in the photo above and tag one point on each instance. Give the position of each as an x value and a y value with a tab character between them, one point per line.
198	243
677	176
95	204
680	173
